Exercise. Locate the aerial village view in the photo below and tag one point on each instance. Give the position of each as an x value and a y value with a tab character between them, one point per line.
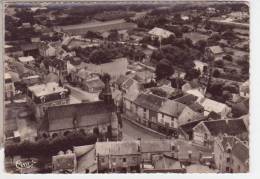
126	87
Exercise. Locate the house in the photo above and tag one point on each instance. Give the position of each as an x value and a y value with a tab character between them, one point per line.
187	99
126	83
9	86
198	92
64	162
160	33
213	106
90	117
146	107
199	65
35	39
214	52
186	130
42	96
205	132
151	148
168	116
244	89
28	60
30	49
144	76
86	158
93	85
26	25
13	51
190	113
31	80
46	50
58	67
231	155
120	157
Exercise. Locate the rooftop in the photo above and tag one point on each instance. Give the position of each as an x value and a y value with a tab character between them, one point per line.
160	32
63	117
26	59
117	148
228	126
216	49
150	101
211	105
46	89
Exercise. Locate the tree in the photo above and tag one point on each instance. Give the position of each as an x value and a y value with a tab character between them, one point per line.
216	74
163	69
99	57
92	35
192	74
168	40
114	35
159	92
157	55
201	45
219	63
228	58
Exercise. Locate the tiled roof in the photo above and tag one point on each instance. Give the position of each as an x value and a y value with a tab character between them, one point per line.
172	108
156	145
64	162
230	126
127	84
187	99
117	148
62	117
95	83
29	46
121	79
160	32
149	101
211	105
238	148
216	49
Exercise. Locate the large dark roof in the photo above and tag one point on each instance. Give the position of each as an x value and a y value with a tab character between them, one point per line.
189	126
239	150
230	127
61	117
149	101
187	99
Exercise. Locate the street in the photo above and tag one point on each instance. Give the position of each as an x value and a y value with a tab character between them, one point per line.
132	132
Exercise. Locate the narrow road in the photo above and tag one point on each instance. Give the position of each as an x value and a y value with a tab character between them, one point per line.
132	132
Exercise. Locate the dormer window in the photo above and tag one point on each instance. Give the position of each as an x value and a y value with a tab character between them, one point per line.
62	95
229	150
43	99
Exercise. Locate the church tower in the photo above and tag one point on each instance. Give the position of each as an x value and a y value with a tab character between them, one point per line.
106	93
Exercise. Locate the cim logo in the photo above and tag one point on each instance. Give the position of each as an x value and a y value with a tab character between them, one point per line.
22	164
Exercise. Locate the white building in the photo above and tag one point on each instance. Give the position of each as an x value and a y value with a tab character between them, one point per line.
29	60
160	33
9	86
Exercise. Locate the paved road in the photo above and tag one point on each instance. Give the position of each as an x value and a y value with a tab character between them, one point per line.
132	131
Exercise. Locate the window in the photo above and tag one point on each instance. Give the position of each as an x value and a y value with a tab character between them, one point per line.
124	159
102	160
229	151
238	168
228	159
227	169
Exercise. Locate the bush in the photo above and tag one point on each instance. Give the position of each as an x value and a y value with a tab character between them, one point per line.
50	147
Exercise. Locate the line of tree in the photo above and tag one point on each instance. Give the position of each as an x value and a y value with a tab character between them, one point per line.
50	146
